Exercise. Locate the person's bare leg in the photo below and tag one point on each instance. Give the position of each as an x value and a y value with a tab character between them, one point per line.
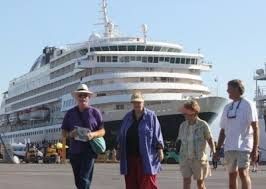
186	183
200	184
245	178
233	180
253	167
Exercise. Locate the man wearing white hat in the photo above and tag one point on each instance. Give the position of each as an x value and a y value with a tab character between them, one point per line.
82	124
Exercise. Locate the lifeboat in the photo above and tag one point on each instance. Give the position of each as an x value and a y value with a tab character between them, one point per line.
3	120
13	118
24	115
39	113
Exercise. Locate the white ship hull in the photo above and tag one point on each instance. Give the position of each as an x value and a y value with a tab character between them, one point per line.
167	113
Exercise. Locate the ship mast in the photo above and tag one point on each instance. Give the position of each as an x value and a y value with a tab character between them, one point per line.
108	25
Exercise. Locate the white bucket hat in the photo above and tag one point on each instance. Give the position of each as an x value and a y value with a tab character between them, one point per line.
82	88
137	97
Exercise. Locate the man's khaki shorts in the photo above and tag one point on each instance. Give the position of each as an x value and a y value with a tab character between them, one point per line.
198	168
236	159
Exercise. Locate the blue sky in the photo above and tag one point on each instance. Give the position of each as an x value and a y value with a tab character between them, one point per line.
231	34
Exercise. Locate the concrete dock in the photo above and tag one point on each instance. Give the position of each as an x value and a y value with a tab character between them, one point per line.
106	176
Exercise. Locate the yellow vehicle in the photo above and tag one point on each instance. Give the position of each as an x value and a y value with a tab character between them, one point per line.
51	155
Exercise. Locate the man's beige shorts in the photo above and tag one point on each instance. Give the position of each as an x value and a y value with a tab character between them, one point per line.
236	159
199	169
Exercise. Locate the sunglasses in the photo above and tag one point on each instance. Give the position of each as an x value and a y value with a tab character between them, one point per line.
83	95
230	114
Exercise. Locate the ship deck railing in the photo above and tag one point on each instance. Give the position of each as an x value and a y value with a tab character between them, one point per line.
260	91
14	128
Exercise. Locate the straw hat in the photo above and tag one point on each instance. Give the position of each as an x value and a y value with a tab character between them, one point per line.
82	88
137	97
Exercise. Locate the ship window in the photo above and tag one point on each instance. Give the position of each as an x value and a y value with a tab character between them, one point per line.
170	50
97	48
142	79
131	48
144	59
101	94
91	49
192	61
182	60
166	59
98	59
126	58
122	59
149	48
122	48
157	48
113	48
83	52
188	61
108	59
150	59
164	49
105	48
102	58
114	59
132	58
176	50
92	57
161	59
172	60
119	106
156	59
140	48
138	58
177	60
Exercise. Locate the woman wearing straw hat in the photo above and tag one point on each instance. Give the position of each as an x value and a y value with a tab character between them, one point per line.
194	133
82	124
140	143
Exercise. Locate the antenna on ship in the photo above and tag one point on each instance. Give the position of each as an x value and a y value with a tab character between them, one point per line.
108	25
145	31
199	50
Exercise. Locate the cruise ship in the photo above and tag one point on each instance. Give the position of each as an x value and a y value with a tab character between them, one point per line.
113	66
260	99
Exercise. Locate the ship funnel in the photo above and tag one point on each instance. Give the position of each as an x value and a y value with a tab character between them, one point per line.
260	72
